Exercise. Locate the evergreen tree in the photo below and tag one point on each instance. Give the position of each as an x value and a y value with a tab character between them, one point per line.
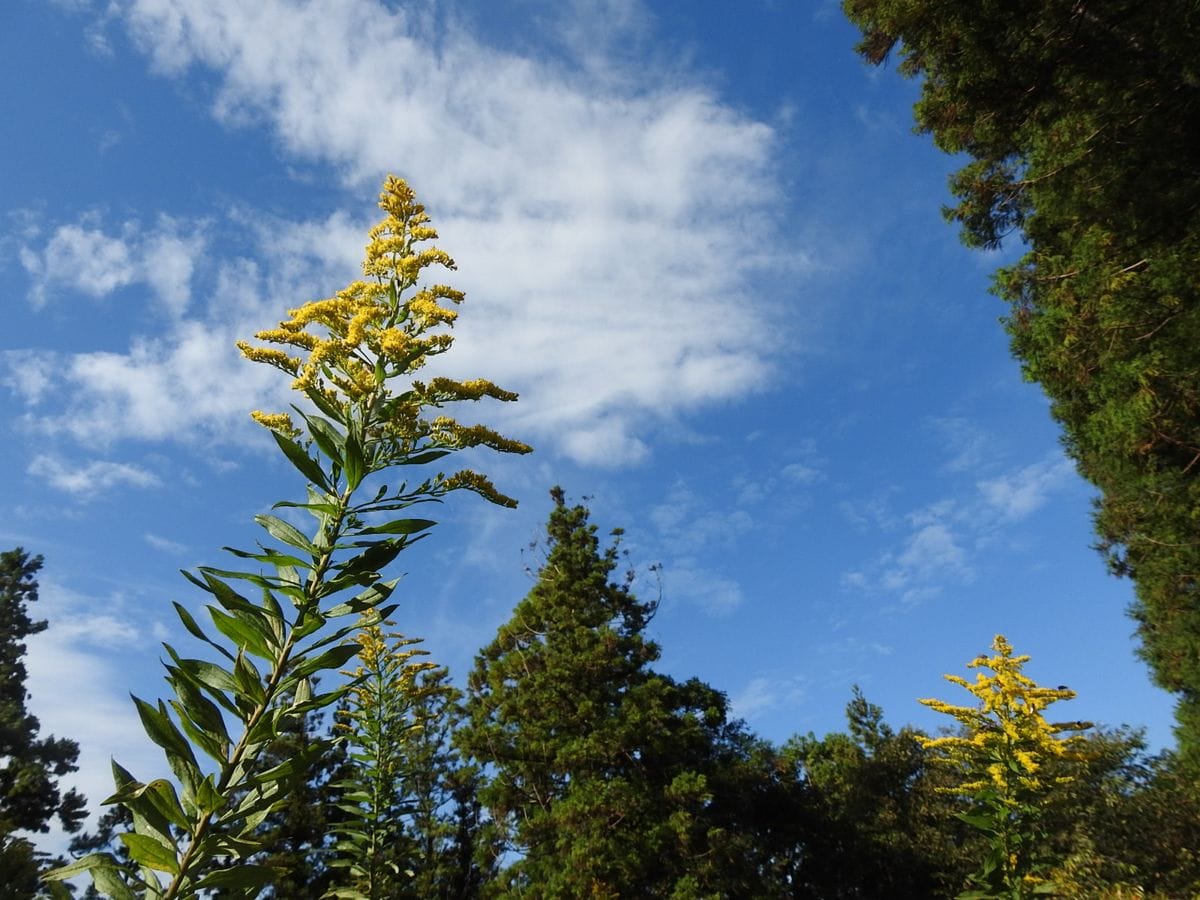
602	778
443	820
870	798
30	795
1080	121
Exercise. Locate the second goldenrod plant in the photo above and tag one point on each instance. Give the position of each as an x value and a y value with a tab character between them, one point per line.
1003	759
277	625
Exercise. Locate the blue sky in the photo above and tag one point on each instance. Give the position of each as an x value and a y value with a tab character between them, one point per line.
699	239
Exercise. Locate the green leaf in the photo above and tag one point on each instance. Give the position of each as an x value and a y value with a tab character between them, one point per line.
334	658
377	556
161	793
371	597
328	436
245	632
321	402
215	677
305	464
289	534
249	680
355	463
208	798
244	876
150	853
200	718
983	823
420	459
162	730
318	509
194	628
400	526
105	871
269	556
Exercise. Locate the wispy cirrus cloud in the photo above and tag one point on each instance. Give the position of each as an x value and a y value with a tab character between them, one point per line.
764	694
89	478
938	544
1017	494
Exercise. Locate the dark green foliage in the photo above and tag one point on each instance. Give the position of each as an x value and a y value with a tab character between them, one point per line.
409	819
295	839
442	826
875	825
1080	121
29	793
1129	819
606	779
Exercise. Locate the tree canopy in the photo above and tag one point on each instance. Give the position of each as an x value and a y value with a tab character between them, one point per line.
30	794
1080	121
603	774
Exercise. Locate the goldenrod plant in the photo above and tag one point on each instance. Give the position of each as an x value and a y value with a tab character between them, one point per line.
1004	757
277	625
377	720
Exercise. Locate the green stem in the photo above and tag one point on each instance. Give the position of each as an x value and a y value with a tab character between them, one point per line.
191	854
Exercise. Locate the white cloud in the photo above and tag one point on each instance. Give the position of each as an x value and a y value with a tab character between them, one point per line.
764	694
166	545
1018	494
608	221
933	550
78	692
685	580
687	523
89	478
186	384
943	540
82	258
28	373
966	443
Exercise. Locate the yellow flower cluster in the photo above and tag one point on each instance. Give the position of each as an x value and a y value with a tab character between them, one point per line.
344	351
1006	740
346	347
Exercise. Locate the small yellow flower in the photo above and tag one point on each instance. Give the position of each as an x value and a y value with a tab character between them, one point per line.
281	422
346	352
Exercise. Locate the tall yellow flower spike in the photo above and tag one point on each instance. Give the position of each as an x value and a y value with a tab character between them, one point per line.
344	352
1000	757
1006	739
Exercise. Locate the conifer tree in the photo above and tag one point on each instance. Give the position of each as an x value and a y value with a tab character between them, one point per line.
30	795
602	776
1078	124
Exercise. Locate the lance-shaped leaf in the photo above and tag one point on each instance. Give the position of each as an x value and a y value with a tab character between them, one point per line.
328	438
371	597
105	871
305	464
163	732
242	877
148	852
193	627
400	526
247	631
289	534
